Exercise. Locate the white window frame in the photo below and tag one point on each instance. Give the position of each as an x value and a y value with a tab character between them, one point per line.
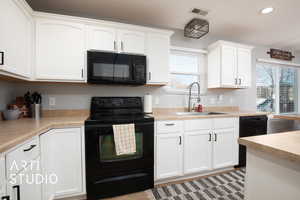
277	86
188	51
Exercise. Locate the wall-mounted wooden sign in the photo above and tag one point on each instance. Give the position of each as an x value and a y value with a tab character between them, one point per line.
280	54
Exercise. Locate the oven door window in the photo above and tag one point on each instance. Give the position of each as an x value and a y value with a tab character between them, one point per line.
108	150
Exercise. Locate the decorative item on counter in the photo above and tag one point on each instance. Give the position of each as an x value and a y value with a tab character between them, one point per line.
12	114
281	55
199	108
33	102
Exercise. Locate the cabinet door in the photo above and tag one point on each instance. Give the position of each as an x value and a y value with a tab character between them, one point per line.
2	177
244	67
61	154
158	51
60	50
225	148
169	155
228	69
197	151
25	183
131	42
102	38
16	39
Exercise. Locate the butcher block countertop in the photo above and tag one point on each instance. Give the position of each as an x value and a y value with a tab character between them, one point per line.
15	132
284	145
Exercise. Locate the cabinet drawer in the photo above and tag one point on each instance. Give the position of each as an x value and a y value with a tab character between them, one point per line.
198	124
223	123
19	158
169	126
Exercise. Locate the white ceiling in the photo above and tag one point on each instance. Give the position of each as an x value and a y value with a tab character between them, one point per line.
238	19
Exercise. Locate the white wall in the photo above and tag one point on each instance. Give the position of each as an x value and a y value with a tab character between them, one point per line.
6	94
77	96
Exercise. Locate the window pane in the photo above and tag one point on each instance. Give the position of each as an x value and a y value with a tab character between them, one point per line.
184	62
288	90
179	81
265	87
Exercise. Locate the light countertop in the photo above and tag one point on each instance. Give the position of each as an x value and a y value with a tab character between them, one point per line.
285	145
288	116
15	132
173	116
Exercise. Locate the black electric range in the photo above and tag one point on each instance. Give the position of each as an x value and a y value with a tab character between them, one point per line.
107	174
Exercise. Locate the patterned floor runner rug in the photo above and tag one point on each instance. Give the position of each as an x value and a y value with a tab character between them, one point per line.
225	186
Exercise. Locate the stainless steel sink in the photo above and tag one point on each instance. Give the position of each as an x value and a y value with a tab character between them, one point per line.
199	113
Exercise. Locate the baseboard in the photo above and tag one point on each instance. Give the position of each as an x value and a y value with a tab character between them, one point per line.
80	197
192	176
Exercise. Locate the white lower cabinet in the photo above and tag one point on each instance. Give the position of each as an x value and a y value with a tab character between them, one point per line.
197	151
169	155
62	156
225	148
195	146
26	184
2	178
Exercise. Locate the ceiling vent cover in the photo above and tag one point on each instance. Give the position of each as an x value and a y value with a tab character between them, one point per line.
196	28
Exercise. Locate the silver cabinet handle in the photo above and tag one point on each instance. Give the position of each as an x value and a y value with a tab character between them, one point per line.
180	140
236	81
240	81
81	73
149	76
216	137
170	124
115	45
209	137
122	45
1	58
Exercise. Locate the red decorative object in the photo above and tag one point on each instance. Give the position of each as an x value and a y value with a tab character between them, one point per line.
280	54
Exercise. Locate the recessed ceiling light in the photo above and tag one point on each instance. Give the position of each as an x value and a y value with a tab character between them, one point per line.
267	10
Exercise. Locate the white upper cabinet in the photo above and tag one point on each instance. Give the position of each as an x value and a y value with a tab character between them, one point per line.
244	67
60	50
131	41
228	62
102	38
158	51
16	39
229	65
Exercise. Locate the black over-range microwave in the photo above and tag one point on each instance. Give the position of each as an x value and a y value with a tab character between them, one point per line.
115	68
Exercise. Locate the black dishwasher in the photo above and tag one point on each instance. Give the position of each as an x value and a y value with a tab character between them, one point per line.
251	126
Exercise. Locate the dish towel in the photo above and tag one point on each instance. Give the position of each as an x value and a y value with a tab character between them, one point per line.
124	137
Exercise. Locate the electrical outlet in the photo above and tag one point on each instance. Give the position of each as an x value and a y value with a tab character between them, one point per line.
52	101
156	100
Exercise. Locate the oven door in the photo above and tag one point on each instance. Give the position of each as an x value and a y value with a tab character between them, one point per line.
101	157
